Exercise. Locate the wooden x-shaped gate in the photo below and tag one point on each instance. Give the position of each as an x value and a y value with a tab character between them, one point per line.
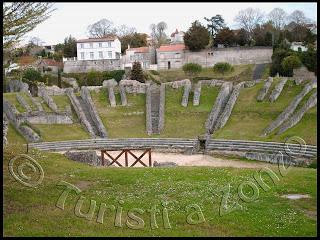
126	152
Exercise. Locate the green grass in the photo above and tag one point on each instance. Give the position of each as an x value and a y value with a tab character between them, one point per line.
28	100
62	101
44	105
11	98
122	121
240	73
187	121
249	118
61	132
33	212
14	137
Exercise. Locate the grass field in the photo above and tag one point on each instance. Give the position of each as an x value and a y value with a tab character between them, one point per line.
240	73
249	118
62	102
11	98
187	121
183	190
122	121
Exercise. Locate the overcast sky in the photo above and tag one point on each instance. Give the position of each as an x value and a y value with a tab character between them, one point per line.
74	18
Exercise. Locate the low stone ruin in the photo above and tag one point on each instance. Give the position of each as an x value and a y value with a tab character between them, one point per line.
5	127
264	90
277	90
23	102
303	74
17	86
88	157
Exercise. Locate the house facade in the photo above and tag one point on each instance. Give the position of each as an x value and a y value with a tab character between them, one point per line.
177	37
298	46
108	48
170	56
144	55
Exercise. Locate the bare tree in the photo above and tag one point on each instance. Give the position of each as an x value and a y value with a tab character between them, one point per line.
124	30
35	41
298	17
20	18
102	28
249	18
278	18
158	34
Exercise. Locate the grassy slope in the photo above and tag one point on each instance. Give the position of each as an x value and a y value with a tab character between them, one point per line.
122	121
62	101
187	121
11	98
249	117
240	73
32	211
14	137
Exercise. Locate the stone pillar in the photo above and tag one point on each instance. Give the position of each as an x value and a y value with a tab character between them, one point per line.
112	98
196	94
185	97
123	95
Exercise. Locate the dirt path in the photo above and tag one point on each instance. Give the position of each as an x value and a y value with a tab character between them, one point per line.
191	160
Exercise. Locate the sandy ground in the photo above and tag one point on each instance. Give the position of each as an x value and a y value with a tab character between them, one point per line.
188	160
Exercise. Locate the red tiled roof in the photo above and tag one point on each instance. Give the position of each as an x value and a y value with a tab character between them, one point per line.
172	48
139	50
110	38
51	62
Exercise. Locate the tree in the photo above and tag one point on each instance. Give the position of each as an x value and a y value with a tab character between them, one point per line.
35	41
278	18
59	47
70	47
134	40
197	37
20	18
102	28
242	37
225	37
298	17
158	34
222	67
215	24
124	30
249	18
137	72
289	63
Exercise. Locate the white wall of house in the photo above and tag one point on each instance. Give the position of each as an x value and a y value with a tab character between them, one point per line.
99	50
295	47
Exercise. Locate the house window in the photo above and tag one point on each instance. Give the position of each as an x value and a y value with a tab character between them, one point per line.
82	55
81	45
177	55
91	45
109	54
100	55
161	55
109	44
100	44
91	55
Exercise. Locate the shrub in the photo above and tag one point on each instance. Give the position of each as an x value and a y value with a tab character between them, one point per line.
94	78
137	72
191	69
154	72
115	74
32	75
222	67
289	63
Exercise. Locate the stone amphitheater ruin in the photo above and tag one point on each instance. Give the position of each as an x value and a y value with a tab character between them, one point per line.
83	106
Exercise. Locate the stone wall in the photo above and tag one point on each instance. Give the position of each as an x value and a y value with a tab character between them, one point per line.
79	111
89	157
42	92
211	83
71	81
17	86
83	66
23	102
277	90
222	120
218	106
35	102
264	90
295	118
51	90
85	95
38	117
110	84
162	106
133	86
196	94
302	74
5	128
123	95
185	97
289	109
148	111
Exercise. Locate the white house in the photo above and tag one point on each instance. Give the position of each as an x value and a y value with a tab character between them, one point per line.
296	46
107	48
177	37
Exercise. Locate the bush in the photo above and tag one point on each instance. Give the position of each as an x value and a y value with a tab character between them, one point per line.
94	78
222	67
289	63
191	69
115	74
154	72
137	72
32	75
